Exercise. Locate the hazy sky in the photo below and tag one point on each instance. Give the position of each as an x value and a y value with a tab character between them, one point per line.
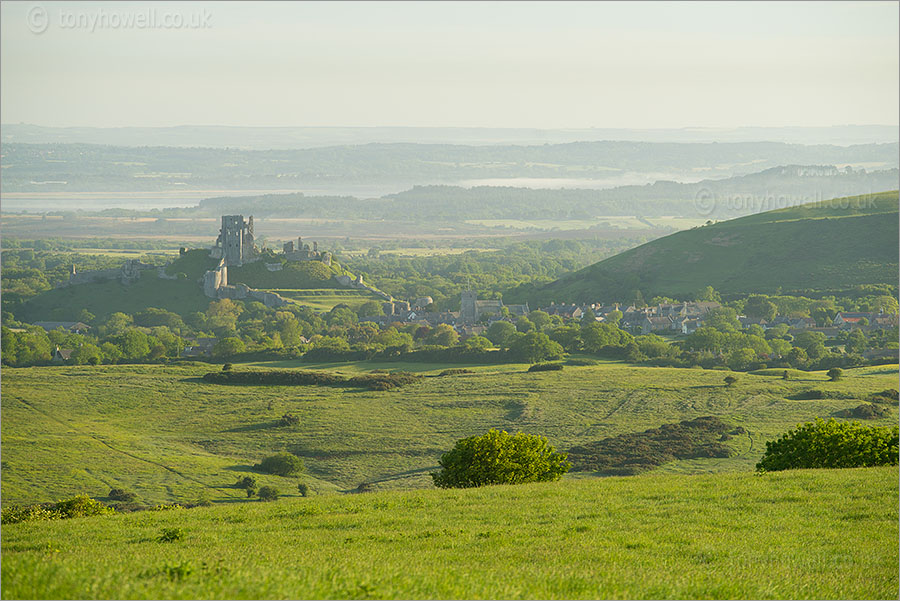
507	64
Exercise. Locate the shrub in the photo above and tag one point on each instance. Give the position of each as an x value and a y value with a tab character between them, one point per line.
500	458
831	444
246	482
864	411
76	507
170	535
730	380
280	464
888	397
268	493
117	494
289	420
300	377
456	371
635	452
546	367
82	506
227	367
303	489
834	374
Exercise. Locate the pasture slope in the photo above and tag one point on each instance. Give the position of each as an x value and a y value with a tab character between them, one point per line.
168	436
308	283
825	246
808	534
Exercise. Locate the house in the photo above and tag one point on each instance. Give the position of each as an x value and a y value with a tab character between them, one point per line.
518	310
655	324
847	320
688	325
76	327
61	355
565	311
199	347
488	307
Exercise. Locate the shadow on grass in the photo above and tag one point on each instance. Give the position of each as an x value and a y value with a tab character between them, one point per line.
241	468
253	427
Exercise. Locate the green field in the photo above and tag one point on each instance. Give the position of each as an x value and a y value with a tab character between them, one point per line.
810	534
831	245
166	435
324	299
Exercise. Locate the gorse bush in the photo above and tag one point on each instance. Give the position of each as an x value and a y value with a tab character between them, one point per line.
636	452
280	464
831	444
76	507
310	378
500	458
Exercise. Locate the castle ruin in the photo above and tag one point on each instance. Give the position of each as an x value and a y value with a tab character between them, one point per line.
235	244
302	252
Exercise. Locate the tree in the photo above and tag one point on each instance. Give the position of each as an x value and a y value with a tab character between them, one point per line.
831	444
760	307
741	359
369	309
539	318
524	325
84	353
533	347
478	343
500	332
135	344
500	458
834	374
597	335
268	493
443	335
228	347
708	294
568	336
730	380
723	319
281	464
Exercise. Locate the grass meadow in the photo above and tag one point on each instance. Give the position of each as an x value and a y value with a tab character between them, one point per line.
326	298
165	434
808	534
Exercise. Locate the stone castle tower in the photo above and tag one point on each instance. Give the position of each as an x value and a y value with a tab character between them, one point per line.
235	240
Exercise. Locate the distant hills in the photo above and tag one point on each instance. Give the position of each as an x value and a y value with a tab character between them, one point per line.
719	199
262	138
342	170
829	245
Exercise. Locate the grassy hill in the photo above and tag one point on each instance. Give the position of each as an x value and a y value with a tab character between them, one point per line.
810	534
829	245
181	296
165	434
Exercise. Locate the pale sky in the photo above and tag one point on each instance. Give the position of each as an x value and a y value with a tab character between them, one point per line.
474	64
